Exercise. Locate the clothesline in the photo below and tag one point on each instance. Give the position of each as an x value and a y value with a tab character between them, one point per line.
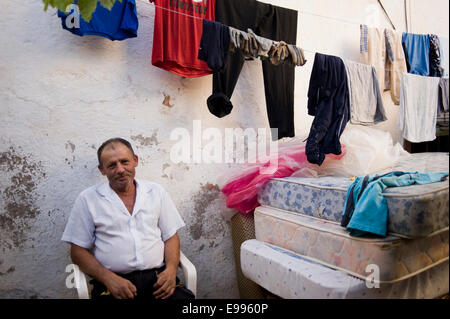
177	12
377	68
331	18
300	12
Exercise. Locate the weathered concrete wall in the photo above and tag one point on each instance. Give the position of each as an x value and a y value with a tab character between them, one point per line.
62	95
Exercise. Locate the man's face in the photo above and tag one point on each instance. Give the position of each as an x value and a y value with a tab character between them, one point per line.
118	164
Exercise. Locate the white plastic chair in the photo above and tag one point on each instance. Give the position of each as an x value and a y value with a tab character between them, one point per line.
188	268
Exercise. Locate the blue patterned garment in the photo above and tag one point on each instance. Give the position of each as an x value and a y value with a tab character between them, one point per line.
389	45
364	40
366	209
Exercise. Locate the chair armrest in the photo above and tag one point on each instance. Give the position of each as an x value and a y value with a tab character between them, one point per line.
190	273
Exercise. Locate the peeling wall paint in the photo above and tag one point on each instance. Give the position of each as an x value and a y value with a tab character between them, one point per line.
18	197
202	199
146	141
62	95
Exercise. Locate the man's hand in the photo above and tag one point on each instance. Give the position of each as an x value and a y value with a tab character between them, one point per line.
120	288
166	283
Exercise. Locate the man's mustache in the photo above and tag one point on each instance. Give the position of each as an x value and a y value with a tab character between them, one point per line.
122	175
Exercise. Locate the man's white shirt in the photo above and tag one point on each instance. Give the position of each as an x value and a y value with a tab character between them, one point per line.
124	242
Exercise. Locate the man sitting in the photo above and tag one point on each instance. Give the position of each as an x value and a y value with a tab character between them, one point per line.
123	232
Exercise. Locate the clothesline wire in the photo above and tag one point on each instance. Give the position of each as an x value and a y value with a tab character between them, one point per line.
300	12
377	68
330	18
177	12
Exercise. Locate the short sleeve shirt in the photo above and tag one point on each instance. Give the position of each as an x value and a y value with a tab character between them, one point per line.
177	33
124	242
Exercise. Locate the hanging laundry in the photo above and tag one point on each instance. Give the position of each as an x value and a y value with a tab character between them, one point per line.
264	45
254	46
395	64
282	52
383	49
435	56
417	53
329	102
214	44
443	96
297	55
177	33
443	47
365	208
366	103
373	52
268	21
418	107
217	40
118	24
237	38
250	47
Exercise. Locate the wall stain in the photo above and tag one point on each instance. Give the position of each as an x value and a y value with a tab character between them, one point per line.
18	197
10	270
71	145
165	165
166	101
202	200
146	141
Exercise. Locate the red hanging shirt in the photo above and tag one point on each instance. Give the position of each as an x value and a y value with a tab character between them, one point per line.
177	35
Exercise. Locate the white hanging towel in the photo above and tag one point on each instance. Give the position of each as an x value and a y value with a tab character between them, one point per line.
366	103
418	107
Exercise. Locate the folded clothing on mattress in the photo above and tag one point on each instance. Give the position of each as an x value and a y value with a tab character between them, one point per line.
291	276
330	244
414	211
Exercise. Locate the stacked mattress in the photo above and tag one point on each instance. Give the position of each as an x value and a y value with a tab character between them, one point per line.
414	211
290	276
301	218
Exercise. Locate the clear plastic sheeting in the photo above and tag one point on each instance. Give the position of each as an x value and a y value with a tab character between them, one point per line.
364	151
368	151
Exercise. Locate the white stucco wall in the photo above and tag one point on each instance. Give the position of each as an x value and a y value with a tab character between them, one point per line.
62	95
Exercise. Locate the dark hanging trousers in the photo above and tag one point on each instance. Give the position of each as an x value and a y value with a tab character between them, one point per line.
268	21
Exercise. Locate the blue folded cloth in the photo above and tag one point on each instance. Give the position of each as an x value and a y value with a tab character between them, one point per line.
118	24
366	210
